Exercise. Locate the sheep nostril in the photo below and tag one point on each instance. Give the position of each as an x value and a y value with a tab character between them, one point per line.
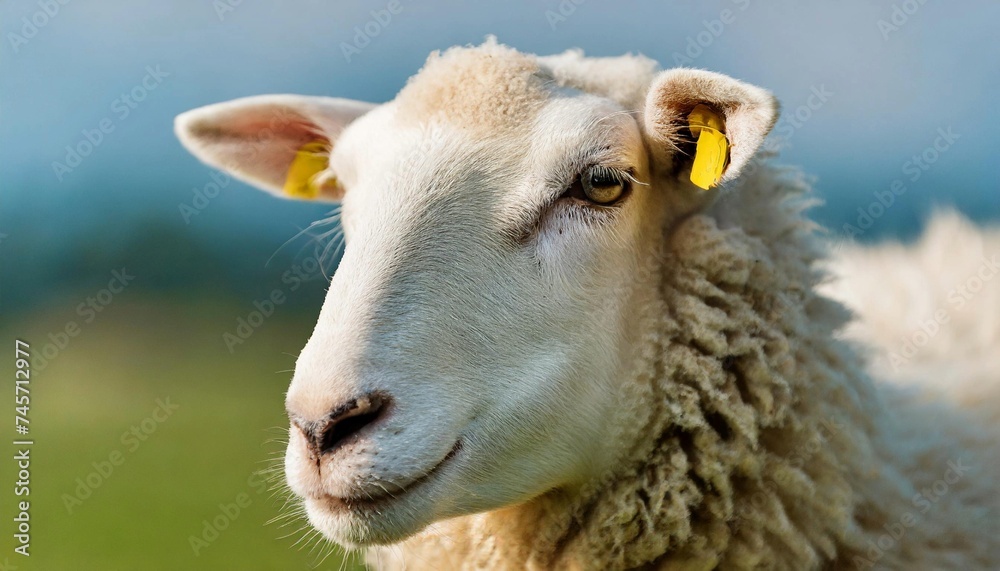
344	422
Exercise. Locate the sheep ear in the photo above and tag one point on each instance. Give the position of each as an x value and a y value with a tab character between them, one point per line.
280	143
679	100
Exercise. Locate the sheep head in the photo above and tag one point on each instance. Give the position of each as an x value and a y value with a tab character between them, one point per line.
504	219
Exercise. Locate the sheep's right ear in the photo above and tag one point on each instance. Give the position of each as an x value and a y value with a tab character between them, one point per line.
690	111
280	143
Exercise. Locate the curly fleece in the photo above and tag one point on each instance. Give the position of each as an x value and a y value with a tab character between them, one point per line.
769	447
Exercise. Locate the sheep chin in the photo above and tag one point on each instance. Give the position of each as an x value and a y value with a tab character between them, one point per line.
357	524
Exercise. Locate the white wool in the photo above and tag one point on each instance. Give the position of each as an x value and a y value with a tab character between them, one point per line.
930	312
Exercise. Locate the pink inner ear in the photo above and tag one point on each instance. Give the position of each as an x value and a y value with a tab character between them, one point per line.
272	142
267	123
255	142
256	138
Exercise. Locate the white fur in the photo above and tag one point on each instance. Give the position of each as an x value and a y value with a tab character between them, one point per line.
930	311
587	387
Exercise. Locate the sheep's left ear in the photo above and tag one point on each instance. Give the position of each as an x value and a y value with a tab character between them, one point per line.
280	143
736	118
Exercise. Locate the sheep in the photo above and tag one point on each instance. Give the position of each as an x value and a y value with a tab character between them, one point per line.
936	330
578	324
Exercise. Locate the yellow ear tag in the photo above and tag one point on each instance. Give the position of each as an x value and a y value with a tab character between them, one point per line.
310	160
712	152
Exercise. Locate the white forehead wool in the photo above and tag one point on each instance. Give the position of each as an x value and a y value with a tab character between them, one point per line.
490	86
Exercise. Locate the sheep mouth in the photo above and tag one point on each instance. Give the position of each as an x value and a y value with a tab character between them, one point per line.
370	502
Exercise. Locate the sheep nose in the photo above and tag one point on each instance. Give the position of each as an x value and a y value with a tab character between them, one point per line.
329	433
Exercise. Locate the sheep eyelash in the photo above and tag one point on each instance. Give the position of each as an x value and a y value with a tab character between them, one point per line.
591	214
629	175
621	175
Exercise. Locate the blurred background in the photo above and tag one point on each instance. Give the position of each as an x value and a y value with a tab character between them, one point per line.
126	262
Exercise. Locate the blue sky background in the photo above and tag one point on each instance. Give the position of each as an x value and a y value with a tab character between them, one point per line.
892	90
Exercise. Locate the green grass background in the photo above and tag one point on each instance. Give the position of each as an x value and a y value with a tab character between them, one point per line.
229	425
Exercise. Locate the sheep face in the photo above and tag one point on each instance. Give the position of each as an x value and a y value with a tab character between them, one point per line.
502	239
485	303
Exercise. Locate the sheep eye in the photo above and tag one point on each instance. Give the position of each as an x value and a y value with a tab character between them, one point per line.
603	185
